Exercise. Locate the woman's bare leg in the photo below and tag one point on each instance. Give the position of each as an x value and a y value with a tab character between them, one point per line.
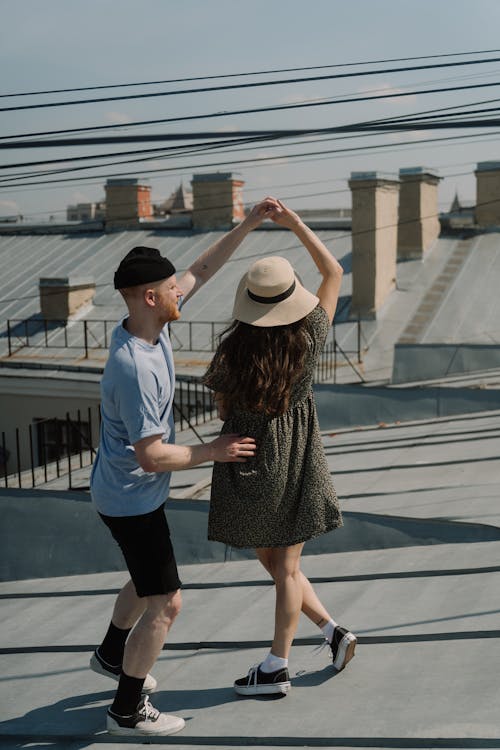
311	605
285	563
343	645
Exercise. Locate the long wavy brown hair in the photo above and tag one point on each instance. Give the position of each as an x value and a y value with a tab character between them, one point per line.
254	368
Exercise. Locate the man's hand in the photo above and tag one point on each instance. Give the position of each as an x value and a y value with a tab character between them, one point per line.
233	448
263	210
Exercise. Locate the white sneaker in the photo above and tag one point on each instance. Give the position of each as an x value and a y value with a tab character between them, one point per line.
147	720
97	664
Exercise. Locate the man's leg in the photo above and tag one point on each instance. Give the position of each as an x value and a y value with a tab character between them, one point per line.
148	604
128	714
147	638
127	610
128	607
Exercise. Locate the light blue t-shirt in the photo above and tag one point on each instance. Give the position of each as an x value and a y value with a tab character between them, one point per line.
137	392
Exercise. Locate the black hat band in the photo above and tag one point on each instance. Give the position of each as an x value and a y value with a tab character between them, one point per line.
272	300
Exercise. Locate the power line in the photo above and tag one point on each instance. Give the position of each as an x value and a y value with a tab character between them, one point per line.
308	102
255	110
221	146
255	84
252	164
384	125
251	73
258	159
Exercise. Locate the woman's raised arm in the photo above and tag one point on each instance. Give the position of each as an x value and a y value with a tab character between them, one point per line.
328	266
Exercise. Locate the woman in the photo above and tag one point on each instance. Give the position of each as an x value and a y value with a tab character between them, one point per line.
262	376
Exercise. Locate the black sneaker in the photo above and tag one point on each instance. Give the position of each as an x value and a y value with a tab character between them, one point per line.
258	682
97	664
343	646
146	720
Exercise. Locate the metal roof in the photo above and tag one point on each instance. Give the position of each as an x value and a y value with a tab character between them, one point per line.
466	309
27	258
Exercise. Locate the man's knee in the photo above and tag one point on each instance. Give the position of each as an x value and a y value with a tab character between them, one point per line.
175	603
165	607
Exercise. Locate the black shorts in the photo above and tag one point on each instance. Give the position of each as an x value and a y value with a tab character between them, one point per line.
145	543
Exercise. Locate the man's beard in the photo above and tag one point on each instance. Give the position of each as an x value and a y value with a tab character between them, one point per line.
171	314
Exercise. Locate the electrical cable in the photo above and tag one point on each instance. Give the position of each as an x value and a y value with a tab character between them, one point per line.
408	118
134	138
251	73
224	146
232	87
153	137
263	159
308	102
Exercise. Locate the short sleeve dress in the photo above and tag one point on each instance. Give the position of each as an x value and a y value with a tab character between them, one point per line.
284	495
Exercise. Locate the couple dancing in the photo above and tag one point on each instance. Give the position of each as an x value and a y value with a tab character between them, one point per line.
271	488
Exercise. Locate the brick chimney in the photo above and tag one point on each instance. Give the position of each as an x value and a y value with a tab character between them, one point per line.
127	202
374	240
217	200
418	225
488	193
64	296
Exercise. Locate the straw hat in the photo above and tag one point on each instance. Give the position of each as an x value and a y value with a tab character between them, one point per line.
270	294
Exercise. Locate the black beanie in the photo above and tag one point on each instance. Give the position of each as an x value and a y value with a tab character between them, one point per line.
142	265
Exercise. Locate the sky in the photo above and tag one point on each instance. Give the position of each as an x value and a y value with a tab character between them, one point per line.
61	44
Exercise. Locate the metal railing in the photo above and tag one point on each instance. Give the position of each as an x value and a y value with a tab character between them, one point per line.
87	336
48	449
190	336
30	457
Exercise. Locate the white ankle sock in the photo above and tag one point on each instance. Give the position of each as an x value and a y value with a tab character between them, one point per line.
328	629
272	663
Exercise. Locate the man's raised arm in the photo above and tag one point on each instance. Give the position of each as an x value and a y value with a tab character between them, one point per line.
217	254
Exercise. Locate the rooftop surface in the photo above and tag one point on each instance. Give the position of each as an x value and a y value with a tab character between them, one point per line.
448	298
414	573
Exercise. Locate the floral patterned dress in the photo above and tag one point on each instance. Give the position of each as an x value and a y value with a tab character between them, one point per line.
284	495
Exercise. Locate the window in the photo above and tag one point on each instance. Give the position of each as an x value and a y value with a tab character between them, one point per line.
53	436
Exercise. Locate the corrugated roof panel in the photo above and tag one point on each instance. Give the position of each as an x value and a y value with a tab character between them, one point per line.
26	258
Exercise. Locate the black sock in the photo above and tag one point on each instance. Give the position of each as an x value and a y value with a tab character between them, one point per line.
128	695
113	645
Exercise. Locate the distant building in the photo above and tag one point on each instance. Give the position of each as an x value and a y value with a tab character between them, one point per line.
461	213
12	219
179	202
86	212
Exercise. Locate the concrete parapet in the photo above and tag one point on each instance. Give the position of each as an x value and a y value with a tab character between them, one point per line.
418	219
374	240
415	362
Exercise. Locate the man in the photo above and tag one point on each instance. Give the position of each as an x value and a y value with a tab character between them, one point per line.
131	476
